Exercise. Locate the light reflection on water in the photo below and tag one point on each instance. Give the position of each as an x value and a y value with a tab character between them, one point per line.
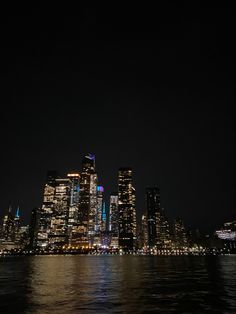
117	284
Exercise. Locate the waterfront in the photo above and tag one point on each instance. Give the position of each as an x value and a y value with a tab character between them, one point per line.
117	284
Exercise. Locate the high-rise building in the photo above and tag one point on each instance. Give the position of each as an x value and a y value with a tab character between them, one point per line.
92	207
100	201
46	212
33	228
104	218
58	234
73	207
114	220
127	213
163	240
10	226
143	240
10	233
17	225
153	215
114	215
180	239
87	200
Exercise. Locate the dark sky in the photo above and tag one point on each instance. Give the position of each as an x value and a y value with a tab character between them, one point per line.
146	87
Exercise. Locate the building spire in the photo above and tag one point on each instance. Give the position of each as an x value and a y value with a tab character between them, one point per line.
18	212
9	209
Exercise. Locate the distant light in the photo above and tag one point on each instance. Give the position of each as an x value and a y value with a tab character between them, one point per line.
100	188
91	157
76	175
226	234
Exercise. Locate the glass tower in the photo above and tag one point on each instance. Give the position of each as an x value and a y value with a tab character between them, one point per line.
127	213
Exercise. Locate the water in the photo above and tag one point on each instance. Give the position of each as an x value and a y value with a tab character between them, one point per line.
117	284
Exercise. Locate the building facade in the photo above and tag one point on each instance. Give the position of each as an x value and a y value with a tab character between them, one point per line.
127	212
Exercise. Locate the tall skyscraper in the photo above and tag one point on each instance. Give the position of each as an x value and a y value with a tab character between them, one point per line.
164	231
33	228
143	241
58	234
127	213
104	218
100	201
114	215
17	225
92	207
153	215
88	182
47	209
73	207
180	239
10	226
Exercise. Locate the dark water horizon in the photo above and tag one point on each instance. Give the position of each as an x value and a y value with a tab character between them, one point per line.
118	284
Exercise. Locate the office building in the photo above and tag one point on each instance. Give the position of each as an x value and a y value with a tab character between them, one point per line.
127	213
46	212
73	207
58	234
180	239
153	215
85	195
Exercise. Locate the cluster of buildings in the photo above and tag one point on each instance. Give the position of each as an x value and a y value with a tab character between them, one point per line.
74	215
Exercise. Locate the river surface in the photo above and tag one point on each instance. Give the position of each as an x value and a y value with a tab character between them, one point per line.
117	284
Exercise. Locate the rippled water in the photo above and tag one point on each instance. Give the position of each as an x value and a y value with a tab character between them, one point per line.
117	284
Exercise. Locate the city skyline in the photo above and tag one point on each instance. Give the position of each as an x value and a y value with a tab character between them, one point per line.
118	149
149	198
74	217
154	92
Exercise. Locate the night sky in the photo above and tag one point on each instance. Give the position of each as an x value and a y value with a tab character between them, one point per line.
146	87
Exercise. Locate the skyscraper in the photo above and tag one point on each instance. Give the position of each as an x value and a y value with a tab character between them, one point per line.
17	225
127	213
88	183
10	234
73	207
92	207
9	227
33	228
58	234
143	239
163	240
100	201
153	215
180	239
46	211
114	215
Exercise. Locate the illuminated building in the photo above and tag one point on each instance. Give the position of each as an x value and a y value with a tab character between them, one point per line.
180	239
144	233
99	216
104	218
33	228
86	198
114	214
17	225
10	236
153	215
23	236
73	207
46	211
164	234
92	207
10	228
114	219
228	232
127	214
58	234
100	201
